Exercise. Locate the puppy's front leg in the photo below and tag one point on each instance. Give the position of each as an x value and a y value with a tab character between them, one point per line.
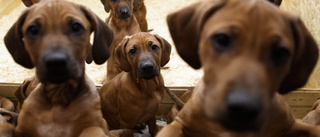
153	129
93	132
172	130
304	130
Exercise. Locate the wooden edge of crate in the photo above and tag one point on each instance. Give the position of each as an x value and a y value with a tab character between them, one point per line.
299	100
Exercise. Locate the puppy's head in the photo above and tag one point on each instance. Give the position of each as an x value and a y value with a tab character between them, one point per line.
121	9
142	54
246	58
54	36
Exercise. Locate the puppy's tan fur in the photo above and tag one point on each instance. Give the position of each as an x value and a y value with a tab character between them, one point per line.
121	27
59	107
131	99
249	50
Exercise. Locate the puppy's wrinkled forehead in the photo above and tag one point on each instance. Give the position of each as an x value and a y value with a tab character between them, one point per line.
54	14
143	39
257	20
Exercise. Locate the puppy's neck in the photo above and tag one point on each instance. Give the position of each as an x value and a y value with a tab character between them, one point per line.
147	85
63	94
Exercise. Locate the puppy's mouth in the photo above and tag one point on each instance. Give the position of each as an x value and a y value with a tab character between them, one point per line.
57	68
239	125
147	69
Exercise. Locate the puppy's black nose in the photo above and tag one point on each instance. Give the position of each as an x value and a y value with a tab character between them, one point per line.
56	68
242	110
56	61
147	66
124	11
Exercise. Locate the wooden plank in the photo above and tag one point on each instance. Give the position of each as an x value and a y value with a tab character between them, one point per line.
300	101
176	90
300	112
8	89
301	98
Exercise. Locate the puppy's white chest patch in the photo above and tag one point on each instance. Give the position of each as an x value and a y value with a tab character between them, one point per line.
54	130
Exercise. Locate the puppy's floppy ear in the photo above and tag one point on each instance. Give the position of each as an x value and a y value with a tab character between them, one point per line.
89	56
121	54
29	3
166	50
304	59
106	5
136	4
185	27
14	43
103	36
276	2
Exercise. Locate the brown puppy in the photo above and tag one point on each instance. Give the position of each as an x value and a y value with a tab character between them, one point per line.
54	37
249	50
132	98
185	97
140	12
123	23
313	117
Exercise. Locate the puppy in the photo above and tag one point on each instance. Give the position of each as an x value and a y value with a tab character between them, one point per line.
123	23
54	37
250	52
185	97
131	99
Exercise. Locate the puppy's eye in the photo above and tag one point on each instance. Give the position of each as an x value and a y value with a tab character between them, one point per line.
280	55
154	47
114	1
77	28
132	51
33	31
221	42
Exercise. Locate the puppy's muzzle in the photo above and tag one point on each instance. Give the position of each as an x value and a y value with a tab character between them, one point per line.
242	111
57	67
147	69
124	12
